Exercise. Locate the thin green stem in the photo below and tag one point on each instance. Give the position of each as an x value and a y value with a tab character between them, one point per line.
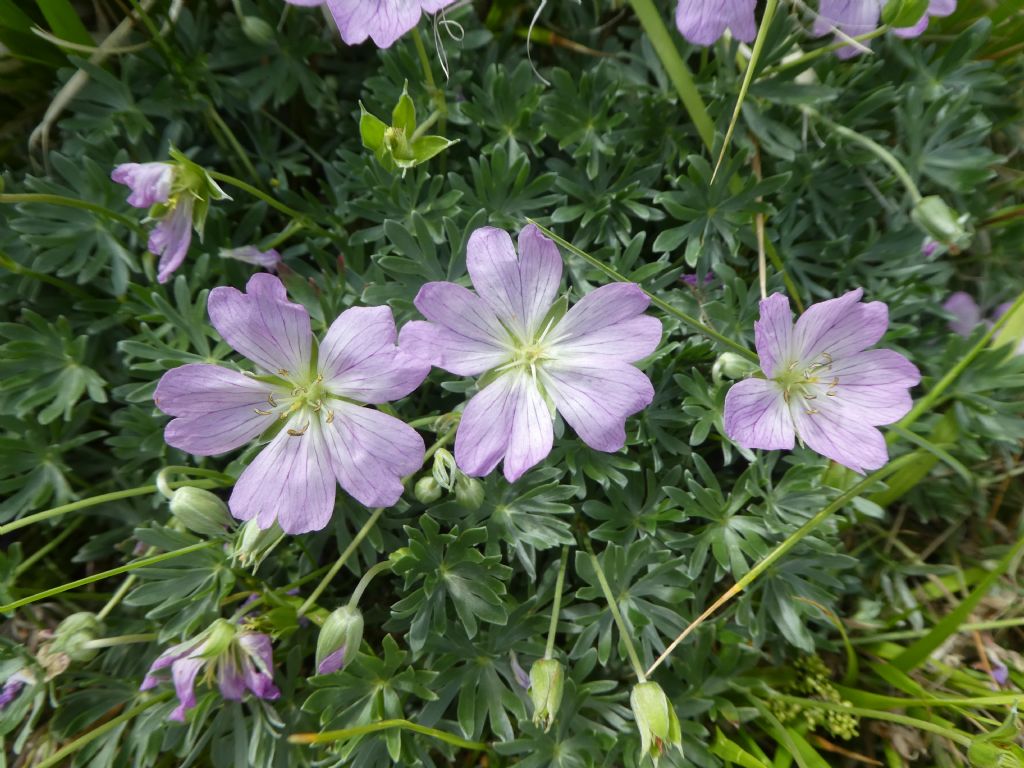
111	642
613	606
693	322
877	149
293	228
48	547
357	593
214	117
785	546
70	202
428	73
119	595
141	490
271	201
426	125
678	72
340	562
163	485
762	34
556	604
383	725
146	561
810	56
6	262
58	757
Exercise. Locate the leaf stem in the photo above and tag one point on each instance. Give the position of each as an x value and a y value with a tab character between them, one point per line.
383	725
71	202
556	604
271	201
49	546
663	305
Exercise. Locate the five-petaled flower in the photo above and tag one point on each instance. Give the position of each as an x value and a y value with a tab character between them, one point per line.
851	18
383	21
317	402
702	22
238	660
822	383
537	358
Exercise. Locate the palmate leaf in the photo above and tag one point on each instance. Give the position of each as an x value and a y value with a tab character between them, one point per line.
442	567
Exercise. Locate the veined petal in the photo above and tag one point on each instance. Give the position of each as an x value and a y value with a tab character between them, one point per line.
150	183
171	238
850	442
359	358
756	416
702	22
773	334
383	21
370	452
596	398
507	419
839	327
872	387
519	289
263	325
851	17
217	408
290	481
183	672
608	316
450	350
626	342
230	680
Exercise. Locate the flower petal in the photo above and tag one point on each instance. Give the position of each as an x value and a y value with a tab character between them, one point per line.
250	254
773	334
507	419
851	17
464	335
839	327
702	22
150	183
384	21
756	416
290	481
873	386
370	452
519	289
216	408
165	660
450	350
332	662
258	665
605	323
850	442
230	680
263	325
965	311
171	238
183	672
359	358
596	399
626	342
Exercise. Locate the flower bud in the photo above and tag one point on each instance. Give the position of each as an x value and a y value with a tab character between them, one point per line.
729	365
427	490
72	635
200	511
547	682
253	544
941	222
257	30
339	639
218	638
655	719
469	492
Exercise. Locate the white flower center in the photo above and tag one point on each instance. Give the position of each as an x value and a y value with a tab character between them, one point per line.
804	383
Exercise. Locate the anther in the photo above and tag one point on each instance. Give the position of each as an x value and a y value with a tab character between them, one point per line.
283	372
330	416
834	383
270	399
810	411
298	432
810	397
785	396
831	393
263	413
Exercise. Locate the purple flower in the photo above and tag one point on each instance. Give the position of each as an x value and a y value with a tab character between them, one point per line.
965	311
702	22
690	278
171	238
383	21
150	183
538	359
324	434
935	8
858	17
821	382
13	687
237	660
250	254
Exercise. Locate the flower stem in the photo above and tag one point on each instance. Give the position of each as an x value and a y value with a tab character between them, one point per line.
613	606
107	574
164	486
810	56
58	757
383	725
340	562
49	546
110	642
428	74
678	72
426	125
748	76
272	202
141	490
71	202
559	584
6	262
384	565
663	305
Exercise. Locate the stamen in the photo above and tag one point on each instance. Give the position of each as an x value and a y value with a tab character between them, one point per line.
298	432
810	411
283	372
270	399
330	416
834	383
810	397
785	396
831	393
317	406
263	413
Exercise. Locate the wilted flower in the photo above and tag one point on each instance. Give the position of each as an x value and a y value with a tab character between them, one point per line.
383	21
325	435
13	687
237	660
656	720
250	254
398	145
702	22
178	196
339	639
858	17
253	544
547	684
538	358
821	382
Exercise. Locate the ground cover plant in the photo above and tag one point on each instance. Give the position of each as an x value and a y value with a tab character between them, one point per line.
447	383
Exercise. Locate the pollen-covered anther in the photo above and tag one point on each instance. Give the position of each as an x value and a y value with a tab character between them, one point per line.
298	432
270	399
330	417
263	413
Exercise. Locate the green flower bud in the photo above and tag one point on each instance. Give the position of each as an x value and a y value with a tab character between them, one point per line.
253	544
729	365
941	222
655	719
74	632
200	511
257	30
427	490
339	639
469	492
547	682
218	638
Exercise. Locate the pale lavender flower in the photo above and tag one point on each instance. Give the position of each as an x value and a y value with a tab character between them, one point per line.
965	311
250	254
383	21
325	435
822	383
150	183
702	22
237	660
858	17
171	238
539	360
